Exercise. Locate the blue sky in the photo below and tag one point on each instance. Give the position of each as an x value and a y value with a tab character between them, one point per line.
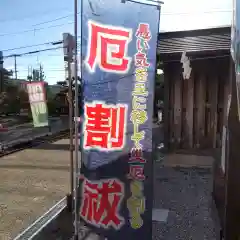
23	23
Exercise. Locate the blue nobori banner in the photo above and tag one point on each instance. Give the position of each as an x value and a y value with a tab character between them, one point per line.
235	47
235	34
119	41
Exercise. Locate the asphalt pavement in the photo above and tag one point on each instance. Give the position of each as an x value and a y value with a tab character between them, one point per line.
23	132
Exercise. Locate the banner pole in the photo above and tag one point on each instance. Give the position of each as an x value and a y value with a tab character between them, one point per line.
71	129
76	219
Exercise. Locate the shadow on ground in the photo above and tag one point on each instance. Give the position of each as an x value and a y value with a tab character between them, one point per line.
60	228
30	167
63	147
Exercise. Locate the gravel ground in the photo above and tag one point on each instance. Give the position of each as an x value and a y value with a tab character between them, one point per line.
31	181
186	193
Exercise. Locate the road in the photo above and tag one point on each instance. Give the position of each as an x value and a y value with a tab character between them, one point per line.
23	132
31	182
183	192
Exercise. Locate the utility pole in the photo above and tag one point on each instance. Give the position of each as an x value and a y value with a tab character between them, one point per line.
1	72
15	66
40	72
68	58
30	77
76	212
41	75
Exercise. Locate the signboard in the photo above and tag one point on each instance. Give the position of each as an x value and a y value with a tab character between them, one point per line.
37	100
119	55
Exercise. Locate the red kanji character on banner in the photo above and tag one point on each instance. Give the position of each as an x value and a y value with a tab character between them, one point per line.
136	172
142	45
141	60
107	47
104	126
136	156
101	203
143	31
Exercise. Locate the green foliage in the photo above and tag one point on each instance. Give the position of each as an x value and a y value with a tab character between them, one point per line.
159	80
4	78
23	100
52	105
62	83
12	100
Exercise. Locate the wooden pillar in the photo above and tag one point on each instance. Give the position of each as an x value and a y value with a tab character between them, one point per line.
222	91
171	107
213	82
177	107
200	108
189	110
166	108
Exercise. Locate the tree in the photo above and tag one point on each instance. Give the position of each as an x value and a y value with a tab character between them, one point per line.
41	74
4	81
9	102
66	83
23	100
37	74
4	78
63	95
62	83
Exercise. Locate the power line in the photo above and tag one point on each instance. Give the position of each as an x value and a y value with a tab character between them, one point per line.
53	20
32	30
32	15
34	45
45	69
71	15
31	52
40	56
66	16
